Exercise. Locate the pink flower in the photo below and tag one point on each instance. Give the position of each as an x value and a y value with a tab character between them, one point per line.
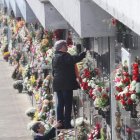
117	79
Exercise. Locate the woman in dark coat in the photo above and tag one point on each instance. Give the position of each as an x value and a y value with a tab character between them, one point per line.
64	81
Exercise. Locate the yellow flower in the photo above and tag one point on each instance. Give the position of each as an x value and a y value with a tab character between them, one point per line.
6	53
36	118
44	42
32	79
37	96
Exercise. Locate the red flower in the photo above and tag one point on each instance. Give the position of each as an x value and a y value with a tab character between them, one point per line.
86	73
117	97
105	96
84	85
135	66
135	72
123	102
125	73
90	93
119	89
126	80
135	77
129	101
128	94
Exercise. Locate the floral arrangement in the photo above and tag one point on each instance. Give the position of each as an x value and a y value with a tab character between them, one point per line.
82	125
49	56
92	84
127	85
30	112
32	80
6	55
95	133
43	95
18	85
47	42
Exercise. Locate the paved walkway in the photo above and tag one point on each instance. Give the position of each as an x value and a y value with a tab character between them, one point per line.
13	121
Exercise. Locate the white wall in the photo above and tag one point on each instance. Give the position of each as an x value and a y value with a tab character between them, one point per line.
85	17
70	10
47	15
94	21
26	11
53	19
127	11
38	9
15	8
7	2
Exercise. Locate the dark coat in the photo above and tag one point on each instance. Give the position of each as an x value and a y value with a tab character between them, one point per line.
48	136
63	65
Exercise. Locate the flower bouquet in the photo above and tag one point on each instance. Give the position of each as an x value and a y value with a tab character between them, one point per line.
82	127
18	85
6	55
95	133
30	112
49	56
93	84
32	80
46	43
127	86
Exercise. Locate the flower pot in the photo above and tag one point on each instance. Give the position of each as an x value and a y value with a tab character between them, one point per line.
20	89
30	93
96	108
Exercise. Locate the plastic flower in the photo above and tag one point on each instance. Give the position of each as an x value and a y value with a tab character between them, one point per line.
72	50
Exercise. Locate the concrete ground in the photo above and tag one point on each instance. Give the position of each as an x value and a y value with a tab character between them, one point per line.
13	121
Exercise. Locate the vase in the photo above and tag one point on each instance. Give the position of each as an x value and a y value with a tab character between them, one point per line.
134	111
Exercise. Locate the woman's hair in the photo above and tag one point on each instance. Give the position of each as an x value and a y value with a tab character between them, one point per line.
59	44
36	126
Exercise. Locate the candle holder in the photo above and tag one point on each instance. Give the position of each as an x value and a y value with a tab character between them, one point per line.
118	125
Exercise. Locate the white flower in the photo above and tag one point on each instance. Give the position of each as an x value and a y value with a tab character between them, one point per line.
79	121
119	84
133	96
32	110
121	93
96	92
31	88
93	85
96	102
84	80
